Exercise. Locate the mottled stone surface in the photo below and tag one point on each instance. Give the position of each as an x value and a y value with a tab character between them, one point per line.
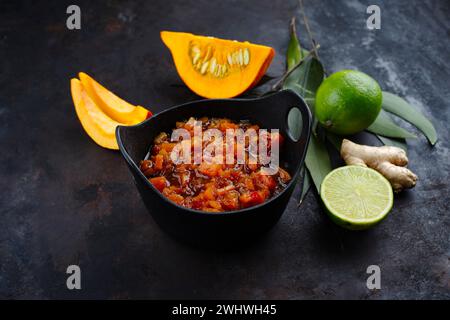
64	200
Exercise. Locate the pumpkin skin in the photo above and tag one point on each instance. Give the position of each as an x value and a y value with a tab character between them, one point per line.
97	124
217	68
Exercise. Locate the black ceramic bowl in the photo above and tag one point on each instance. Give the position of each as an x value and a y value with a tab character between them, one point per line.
232	227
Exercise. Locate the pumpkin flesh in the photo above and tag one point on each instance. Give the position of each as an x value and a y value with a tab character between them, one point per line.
217	68
115	107
95	122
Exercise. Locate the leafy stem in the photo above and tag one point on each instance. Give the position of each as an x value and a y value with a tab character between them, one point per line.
280	82
308	29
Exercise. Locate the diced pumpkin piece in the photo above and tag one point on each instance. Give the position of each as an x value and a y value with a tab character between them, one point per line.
160	138
97	125
197	202
217	68
230	200
168	146
249	184
115	107
211	170
159	160
210	192
171	195
159	183
284	175
224	125
215	204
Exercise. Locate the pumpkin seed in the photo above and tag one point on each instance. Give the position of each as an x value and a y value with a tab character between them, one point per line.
230	59
212	66
217	71
246	56
195	49
204	67
241	57
196	58
205	60
208	54
235	58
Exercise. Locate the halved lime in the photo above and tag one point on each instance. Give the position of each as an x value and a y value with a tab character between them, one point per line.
356	197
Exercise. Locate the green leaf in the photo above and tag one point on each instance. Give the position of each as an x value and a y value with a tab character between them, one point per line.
306	185
317	161
403	109
308	73
306	79
384	126
399	143
311	103
294	51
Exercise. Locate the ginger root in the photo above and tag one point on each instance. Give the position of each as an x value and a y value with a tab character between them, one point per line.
389	161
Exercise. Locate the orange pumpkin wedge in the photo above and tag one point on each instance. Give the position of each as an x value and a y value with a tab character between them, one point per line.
97	124
217	68
115	107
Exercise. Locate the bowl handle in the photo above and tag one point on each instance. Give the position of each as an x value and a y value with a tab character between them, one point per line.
288	102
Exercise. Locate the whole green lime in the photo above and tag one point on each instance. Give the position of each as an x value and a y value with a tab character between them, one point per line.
347	102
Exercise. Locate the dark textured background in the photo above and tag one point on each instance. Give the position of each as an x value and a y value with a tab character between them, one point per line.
64	200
